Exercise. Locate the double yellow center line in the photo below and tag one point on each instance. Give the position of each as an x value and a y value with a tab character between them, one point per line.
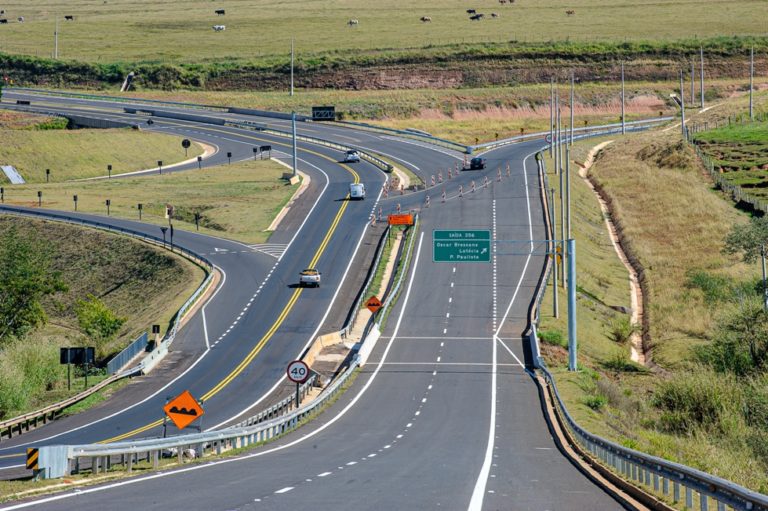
279	321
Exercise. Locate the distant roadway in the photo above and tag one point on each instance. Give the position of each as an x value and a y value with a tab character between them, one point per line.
444	415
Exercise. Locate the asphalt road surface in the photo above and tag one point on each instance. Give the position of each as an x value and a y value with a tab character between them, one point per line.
443	416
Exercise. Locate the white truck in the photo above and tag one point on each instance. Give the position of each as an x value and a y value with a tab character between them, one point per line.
309	277
357	191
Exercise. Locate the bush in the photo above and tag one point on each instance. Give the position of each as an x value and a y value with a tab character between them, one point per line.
621	329
740	343
98	322
694	400
716	288
596	402
554	337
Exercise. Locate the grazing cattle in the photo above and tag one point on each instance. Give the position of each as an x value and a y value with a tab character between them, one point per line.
425	19
69	18
570	12
353	22
3	20
494	15
471	11
477	17
220	12
21	19
219	28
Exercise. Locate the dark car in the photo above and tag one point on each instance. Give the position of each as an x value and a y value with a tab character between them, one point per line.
477	163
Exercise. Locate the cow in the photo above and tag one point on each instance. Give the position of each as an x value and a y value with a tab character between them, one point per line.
220	12
494	15
3	20
471	11
425	19
353	22
570	12
21	19
69	18
219	28
477	17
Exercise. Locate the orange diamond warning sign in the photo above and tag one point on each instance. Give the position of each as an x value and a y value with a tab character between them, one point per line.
373	304
183	410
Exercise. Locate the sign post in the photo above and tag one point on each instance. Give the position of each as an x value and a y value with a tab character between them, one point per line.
298	372
185	144
461	246
373	304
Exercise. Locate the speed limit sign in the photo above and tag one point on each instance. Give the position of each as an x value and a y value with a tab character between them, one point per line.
298	371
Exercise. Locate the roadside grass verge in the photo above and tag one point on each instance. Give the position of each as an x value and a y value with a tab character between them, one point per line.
78	154
469	114
237	201
136	281
673	222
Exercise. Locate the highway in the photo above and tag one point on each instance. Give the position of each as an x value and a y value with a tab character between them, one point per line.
444	415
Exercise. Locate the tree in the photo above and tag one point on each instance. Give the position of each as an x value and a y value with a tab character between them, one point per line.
740	343
751	241
97	321
25	278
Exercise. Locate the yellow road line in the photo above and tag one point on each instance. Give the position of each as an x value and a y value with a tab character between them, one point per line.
275	326
18	455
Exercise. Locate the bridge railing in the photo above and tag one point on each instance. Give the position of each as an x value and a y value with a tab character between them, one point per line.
680	484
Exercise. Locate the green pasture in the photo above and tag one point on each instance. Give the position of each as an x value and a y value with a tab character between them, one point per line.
181	31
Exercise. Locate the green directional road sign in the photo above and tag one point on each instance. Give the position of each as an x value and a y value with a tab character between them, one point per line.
461	246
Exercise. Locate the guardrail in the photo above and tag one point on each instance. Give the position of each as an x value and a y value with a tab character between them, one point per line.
124	357
583	131
650	473
344	332
116	99
30	420
378	162
55	461
409	134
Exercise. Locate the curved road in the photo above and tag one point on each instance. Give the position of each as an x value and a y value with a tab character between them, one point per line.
444	415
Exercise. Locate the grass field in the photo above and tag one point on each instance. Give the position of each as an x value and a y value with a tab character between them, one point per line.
180	31
674	224
236	201
77	154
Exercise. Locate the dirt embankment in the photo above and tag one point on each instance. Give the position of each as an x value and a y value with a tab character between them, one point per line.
409	72
478	72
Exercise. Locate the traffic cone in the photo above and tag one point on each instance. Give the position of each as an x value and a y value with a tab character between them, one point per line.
426	203
473	186
433	180
439	176
461	191
498	175
443	195
398	208
450	176
508	171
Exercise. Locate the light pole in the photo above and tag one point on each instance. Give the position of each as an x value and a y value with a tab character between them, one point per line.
572	339
701	76
572	95
682	105
623	125
751	89
293	126
291	66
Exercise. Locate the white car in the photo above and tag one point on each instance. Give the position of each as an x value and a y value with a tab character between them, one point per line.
357	191
352	156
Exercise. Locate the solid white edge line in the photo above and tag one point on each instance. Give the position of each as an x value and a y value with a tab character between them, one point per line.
84	491
319	325
205	330
476	503
208	348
